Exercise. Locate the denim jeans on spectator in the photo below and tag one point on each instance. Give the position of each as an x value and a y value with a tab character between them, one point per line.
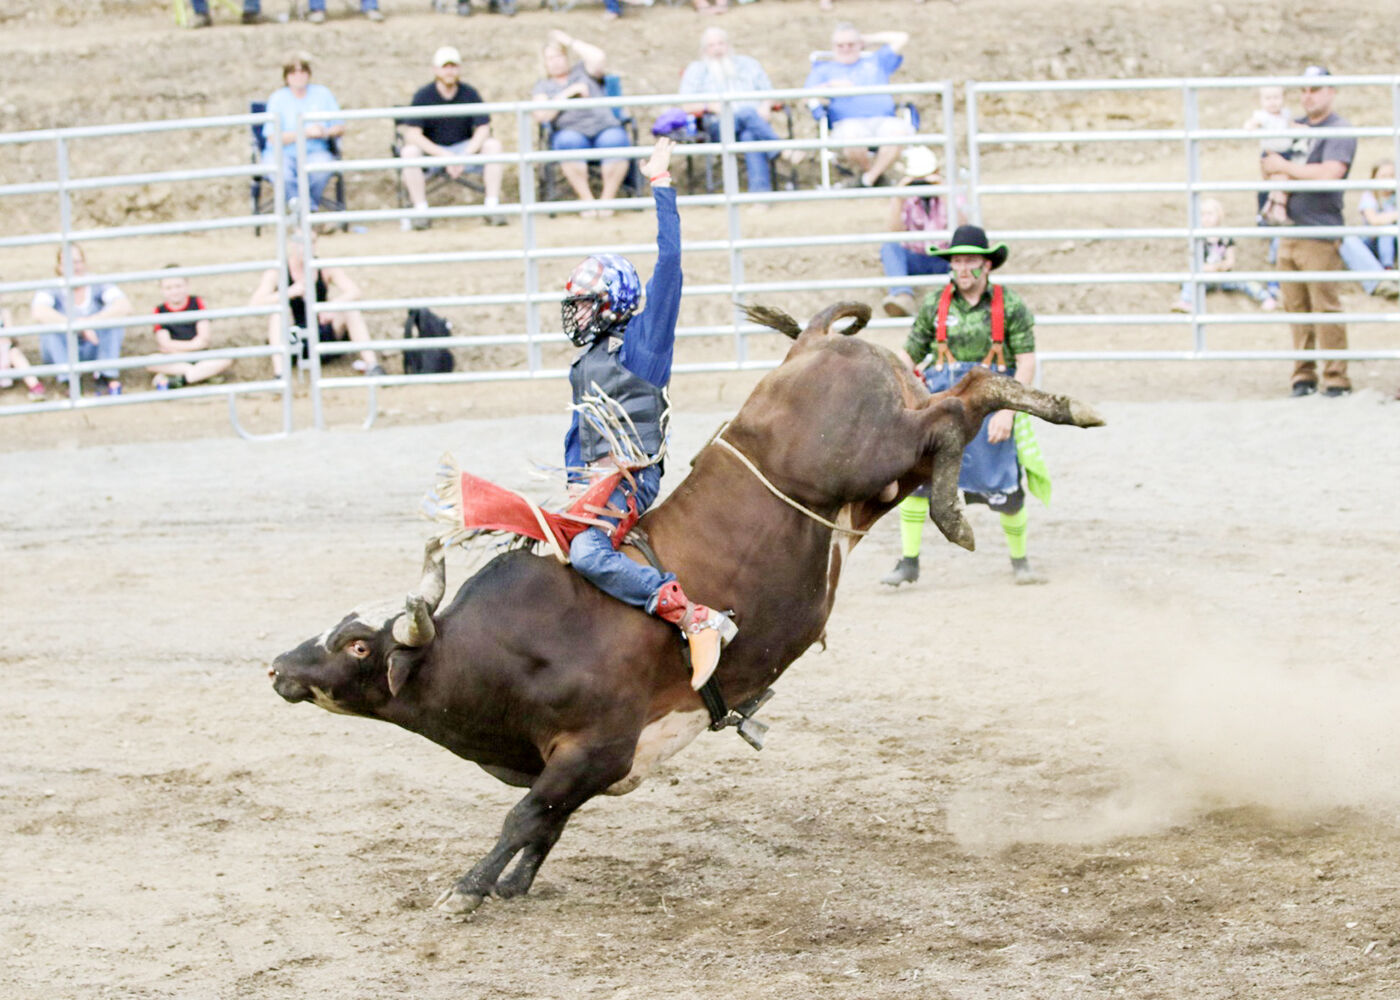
249	6
613	573
568	138
1359	256
316	180
749	126
364	5
53	348
901	262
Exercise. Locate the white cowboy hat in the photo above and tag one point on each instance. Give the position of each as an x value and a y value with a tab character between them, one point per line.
920	161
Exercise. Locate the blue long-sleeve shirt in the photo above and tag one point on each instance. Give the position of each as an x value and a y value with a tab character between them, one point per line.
649	341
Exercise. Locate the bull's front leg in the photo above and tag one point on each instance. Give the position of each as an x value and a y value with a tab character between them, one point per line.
574	774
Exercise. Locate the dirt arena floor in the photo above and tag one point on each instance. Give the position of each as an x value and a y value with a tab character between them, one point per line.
1171	772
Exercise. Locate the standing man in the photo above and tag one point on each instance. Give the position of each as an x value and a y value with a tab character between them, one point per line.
467	135
971	322
865	116
1328	159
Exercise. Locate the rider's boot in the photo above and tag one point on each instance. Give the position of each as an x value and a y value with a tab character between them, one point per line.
705	629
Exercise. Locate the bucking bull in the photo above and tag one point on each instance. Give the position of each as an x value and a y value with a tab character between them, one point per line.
550	685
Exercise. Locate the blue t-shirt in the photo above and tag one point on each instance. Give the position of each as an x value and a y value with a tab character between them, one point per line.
872	69
286	106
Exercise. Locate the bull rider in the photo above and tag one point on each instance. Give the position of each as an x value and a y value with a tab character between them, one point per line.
627	340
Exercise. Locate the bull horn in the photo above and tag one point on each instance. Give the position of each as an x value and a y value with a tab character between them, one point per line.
434	582
415	626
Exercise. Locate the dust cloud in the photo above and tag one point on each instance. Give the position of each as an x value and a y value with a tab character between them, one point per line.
1178	718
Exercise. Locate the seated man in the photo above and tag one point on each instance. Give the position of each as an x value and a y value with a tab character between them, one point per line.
718	70
867	116
463	136
331	286
300	95
183	337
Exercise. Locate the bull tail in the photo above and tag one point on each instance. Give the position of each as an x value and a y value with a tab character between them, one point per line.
820	325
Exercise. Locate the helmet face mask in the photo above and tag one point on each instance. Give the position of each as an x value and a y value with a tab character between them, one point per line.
601	295
582	318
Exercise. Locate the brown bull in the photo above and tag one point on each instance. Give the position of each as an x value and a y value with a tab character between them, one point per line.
549	684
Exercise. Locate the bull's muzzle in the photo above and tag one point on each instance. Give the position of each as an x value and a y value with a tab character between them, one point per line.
292	690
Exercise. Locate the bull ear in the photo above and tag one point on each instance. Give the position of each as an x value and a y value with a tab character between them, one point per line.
400	669
414	627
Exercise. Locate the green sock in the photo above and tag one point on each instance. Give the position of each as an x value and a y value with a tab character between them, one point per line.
913	511
1015	526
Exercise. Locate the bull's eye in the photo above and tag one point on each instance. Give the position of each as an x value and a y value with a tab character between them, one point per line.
359	649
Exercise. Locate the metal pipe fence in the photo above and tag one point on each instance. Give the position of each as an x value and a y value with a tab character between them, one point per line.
984	177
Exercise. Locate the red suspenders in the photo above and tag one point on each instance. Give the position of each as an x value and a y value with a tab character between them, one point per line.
998	352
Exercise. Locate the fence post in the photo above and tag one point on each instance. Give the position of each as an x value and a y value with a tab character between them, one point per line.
1194	241
974	158
65	250
729	171
526	136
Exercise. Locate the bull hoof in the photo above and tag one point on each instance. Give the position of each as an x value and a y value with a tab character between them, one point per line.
1084	415
456	902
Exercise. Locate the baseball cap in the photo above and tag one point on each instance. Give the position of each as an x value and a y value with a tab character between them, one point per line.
1316	71
919	161
447	55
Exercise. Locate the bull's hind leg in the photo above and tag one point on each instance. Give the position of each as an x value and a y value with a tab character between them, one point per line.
573	774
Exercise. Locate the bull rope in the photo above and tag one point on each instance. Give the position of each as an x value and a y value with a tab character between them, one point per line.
719	440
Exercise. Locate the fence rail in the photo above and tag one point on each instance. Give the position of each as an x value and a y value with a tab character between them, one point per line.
971	184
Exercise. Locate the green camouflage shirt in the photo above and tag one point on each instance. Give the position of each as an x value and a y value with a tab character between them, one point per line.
970	327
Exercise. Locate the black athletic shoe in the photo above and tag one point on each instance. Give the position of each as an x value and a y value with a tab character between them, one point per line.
1334	391
1304	388
905	571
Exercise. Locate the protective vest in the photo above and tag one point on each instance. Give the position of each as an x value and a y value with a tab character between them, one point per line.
997	355
645	403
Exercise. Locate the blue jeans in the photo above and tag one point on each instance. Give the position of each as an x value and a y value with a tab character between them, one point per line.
568	138
596	560
1358	256
613	6
364	5
53	348
1255	290
900	262
749	126
249	6
316	181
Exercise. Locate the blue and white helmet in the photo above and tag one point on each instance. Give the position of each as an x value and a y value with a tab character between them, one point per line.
602	293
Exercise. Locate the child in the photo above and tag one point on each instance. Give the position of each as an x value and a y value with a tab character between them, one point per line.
13	359
1271	114
1218	254
181	337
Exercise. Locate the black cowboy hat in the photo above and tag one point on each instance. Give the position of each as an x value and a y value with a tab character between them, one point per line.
972	240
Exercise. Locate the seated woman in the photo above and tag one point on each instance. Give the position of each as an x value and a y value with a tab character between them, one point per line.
1375	253
586	128
13	361
913	215
95	304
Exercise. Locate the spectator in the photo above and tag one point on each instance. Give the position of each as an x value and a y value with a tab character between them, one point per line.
956	331
182	337
252	13
626	355
331	286
711	7
586	128
13	361
1273	114
506	7
369	8
94	303
1375	253
1217	254
719	71
914	215
867	116
1327	159
463	136
299	96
